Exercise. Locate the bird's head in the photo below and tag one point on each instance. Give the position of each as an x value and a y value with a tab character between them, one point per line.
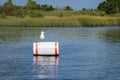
42	32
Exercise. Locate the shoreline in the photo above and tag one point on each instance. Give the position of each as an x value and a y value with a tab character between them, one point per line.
53	21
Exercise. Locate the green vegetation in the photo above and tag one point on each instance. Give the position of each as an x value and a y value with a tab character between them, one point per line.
33	14
54	21
99	21
30	9
110	6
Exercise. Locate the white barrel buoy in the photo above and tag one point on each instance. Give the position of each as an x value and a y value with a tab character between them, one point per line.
46	48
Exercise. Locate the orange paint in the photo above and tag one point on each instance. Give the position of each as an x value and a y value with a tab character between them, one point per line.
56	51
36	49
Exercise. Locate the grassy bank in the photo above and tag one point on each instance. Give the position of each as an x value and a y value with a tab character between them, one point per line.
56	21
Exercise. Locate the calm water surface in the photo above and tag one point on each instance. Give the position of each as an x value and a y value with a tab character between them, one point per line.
85	54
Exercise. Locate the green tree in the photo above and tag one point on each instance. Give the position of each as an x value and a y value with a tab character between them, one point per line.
51	7
110	6
2	15
102	6
32	5
84	9
46	7
19	12
67	8
7	8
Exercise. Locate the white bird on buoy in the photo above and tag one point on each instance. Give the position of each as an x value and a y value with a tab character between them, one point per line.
42	36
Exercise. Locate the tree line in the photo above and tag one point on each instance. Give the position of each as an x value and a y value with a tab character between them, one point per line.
31	9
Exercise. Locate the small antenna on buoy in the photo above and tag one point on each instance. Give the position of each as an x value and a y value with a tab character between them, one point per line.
42	36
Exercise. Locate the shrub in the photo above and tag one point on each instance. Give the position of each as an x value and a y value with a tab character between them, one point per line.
2	15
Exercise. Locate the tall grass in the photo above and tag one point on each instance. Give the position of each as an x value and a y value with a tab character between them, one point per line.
56	21
99	21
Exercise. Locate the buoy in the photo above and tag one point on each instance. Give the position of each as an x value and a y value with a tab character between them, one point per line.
46	48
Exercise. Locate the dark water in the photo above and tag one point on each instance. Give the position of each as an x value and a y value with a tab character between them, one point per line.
85	54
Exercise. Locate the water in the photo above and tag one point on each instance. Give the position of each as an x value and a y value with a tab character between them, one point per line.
85	54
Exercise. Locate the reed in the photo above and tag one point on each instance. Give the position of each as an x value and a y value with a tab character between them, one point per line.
99	21
56	21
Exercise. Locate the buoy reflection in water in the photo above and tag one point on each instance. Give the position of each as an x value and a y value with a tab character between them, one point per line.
45	67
